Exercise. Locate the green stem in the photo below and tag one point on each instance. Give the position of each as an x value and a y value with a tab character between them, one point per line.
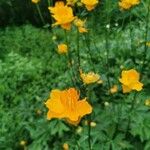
72	75
49	3
96	47
78	49
107	48
107	58
92	31
87	43
122	25
89	134
132	47
146	38
75	137
88	94
40	14
131	36
131	109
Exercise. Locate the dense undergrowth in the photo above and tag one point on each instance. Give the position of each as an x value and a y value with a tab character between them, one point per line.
30	67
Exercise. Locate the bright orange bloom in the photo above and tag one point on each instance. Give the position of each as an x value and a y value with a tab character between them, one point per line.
130	81
80	24
65	146
66	104
62	14
127	4
114	89
90	4
35	1
90	77
62	48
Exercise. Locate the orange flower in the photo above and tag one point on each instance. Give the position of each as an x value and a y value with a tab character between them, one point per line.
35	1
130	81
62	14
90	77
62	48
66	104
114	89
90	4
127	4
80	24
65	146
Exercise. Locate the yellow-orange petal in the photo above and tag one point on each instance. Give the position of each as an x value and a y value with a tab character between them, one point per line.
137	86
55	94
126	89
59	3
73	93
129	77
134	75
66	26
82	30
75	123
51	115
72	116
120	80
62	48
84	107
89	7
54	103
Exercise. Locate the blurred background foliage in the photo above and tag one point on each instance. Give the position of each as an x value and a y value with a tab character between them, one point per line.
16	12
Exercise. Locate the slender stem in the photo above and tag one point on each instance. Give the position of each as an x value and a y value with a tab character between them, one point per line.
75	137
89	134
135	95
40	14
146	38
107	58
78	49
122	25
72	75
132	46
131	34
107	48
49	3
96	47
87	43
88	94
131	109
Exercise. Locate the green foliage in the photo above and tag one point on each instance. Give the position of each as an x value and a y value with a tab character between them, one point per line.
27	71
30	67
